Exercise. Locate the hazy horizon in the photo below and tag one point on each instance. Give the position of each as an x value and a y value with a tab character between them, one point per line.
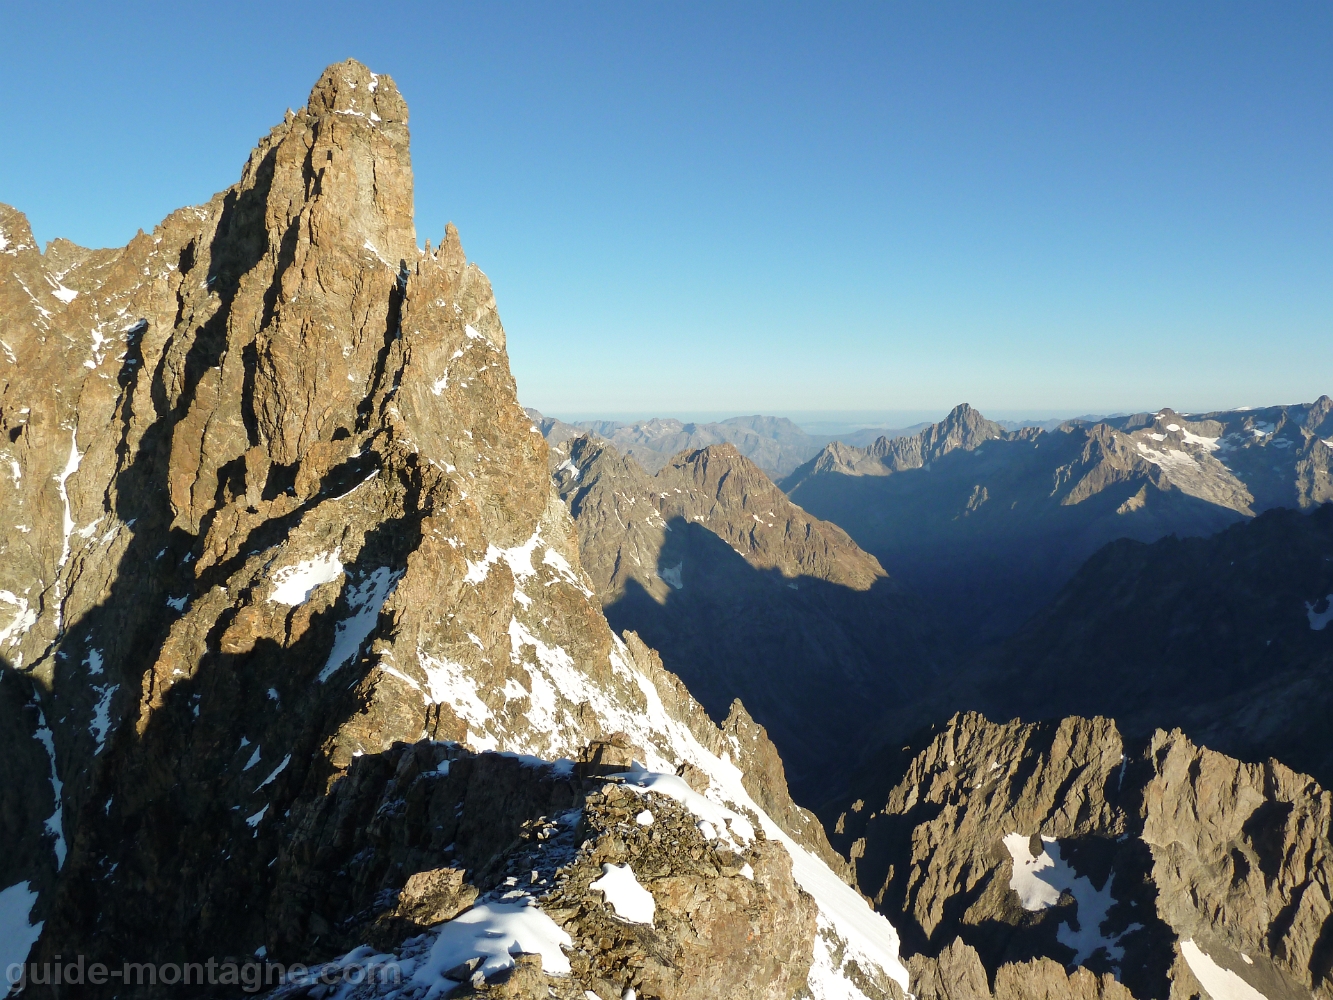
832	422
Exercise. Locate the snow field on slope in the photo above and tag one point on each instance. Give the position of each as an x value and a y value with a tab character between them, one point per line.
1039	883
17	936
1221	984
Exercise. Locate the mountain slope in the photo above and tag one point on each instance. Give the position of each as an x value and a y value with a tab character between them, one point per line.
747	596
282	548
987	524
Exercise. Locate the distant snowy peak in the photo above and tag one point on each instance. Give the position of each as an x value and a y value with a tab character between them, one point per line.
1244	460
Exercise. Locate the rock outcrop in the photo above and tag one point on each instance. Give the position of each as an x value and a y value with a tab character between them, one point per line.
435	832
273	510
747	596
1053	860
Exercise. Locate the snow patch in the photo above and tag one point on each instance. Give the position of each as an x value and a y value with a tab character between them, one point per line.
671	575
365	601
17	935
1167	459
447	683
564	570
1221	984
71	467
1040	881
55	825
101	721
495	932
65	295
276	771
715	822
293	584
625	895
519	559
1319	620
24	618
1206	443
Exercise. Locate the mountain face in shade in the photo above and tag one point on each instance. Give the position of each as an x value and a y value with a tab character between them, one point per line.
775	444
284	577
1226	638
747	596
987	524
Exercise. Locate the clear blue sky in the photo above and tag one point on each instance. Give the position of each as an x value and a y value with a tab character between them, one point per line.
775	207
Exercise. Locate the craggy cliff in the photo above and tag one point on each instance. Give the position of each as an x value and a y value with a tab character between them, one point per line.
1056	860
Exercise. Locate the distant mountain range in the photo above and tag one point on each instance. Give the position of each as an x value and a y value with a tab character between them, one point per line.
1226	637
775	444
932	547
986	523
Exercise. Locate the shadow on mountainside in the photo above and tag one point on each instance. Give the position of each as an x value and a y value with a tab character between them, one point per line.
176	813
1216	636
815	663
982	538
27	797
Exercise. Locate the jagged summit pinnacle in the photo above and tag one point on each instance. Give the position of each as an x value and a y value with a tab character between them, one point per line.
350	88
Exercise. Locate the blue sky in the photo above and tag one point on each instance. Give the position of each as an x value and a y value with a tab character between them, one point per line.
775	207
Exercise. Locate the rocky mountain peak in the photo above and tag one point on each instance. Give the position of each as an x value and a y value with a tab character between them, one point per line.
350	88
283	569
964	427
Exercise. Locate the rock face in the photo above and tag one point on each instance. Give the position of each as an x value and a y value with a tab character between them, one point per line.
1053	860
989	523
746	596
273	514
775	444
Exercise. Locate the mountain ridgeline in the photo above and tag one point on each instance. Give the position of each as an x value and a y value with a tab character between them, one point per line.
775	444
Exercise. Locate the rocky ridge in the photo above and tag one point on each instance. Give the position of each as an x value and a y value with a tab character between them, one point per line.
746	596
1053	859
274	509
